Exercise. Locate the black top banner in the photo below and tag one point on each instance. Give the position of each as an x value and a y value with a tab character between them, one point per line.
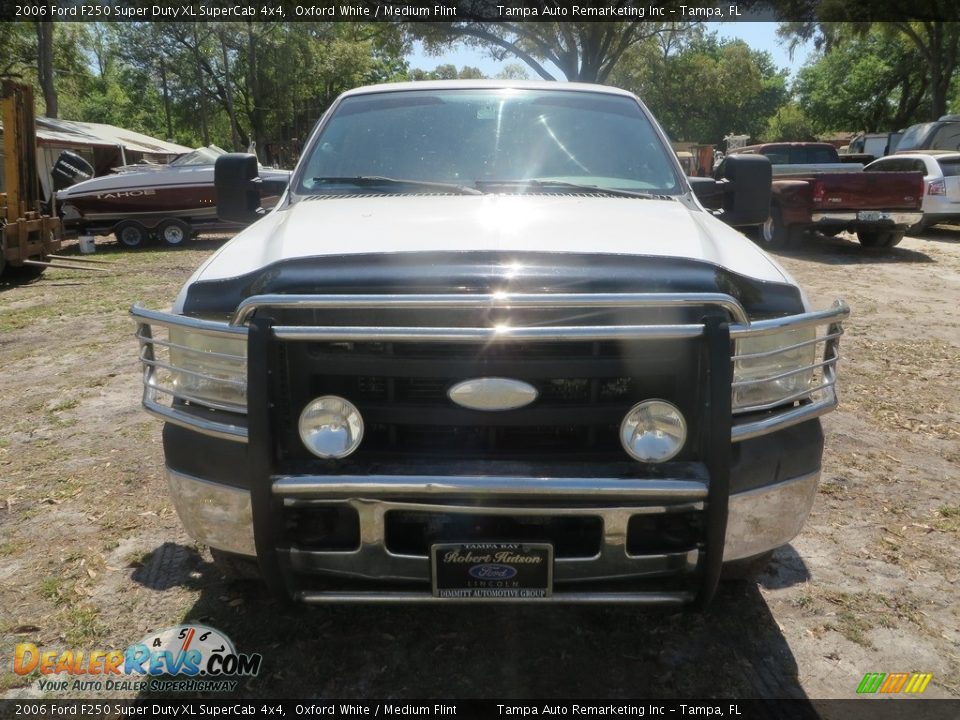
479	10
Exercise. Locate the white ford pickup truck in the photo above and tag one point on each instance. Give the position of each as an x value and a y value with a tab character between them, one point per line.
490	346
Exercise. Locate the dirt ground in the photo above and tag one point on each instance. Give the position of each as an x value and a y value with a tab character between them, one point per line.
92	554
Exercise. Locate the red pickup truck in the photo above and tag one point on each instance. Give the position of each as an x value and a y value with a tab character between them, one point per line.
814	190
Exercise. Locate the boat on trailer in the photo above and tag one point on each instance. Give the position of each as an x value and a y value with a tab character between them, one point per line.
171	202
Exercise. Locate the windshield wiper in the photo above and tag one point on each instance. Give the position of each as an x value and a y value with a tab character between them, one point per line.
539	184
374	180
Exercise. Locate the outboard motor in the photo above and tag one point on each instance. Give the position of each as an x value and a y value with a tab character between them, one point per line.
69	169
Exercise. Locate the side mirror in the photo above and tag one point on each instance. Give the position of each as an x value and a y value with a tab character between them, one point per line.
748	188
236	177
708	191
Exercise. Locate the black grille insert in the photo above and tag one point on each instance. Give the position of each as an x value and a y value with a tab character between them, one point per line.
585	389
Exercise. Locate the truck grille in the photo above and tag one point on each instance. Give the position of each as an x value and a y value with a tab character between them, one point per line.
585	389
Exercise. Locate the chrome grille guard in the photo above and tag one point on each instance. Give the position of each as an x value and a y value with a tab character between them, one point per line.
162	397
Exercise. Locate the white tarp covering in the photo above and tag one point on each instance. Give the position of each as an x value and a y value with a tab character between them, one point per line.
100	134
54	135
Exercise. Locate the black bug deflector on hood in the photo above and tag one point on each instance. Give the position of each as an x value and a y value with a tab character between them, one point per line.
484	272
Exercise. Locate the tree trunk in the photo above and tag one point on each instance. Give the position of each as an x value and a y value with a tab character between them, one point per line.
939	80
166	98
255	113
45	67
204	127
228	91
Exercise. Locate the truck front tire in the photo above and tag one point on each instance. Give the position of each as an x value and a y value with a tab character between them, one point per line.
774	234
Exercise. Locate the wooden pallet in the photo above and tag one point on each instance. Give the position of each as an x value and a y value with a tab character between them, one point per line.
33	236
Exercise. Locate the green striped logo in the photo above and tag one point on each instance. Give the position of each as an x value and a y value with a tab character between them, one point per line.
914	683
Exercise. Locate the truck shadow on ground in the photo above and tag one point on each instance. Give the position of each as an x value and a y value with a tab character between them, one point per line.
941	233
108	247
843	250
732	649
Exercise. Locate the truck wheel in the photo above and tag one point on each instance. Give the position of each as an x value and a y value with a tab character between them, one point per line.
235	567
130	234
174	232
747	568
773	233
879	238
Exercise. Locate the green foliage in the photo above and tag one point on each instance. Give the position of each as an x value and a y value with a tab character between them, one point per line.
446	71
872	82
790	124
226	83
19	56
584	51
707	89
931	30
513	71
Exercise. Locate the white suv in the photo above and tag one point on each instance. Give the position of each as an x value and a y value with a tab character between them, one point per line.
941	183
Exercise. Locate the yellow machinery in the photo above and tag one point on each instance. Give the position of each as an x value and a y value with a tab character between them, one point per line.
28	238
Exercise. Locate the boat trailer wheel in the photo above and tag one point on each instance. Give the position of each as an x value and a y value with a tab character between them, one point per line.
131	234
173	232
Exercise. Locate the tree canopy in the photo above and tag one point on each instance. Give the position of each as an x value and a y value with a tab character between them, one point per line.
931	27
704	89
583	51
236	83
869	82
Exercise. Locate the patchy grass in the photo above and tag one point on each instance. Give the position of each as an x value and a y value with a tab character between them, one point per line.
804	601
65	404
948	518
83	626
11	547
52	589
856	614
10	680
139	558
853	627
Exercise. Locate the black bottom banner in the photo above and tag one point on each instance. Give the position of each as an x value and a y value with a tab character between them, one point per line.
855	709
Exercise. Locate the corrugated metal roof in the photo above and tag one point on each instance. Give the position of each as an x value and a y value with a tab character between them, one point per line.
72	132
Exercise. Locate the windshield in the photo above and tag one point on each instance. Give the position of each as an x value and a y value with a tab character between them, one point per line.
914	136
201	156
800	155
479	138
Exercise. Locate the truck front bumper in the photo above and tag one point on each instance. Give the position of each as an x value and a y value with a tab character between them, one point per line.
759	520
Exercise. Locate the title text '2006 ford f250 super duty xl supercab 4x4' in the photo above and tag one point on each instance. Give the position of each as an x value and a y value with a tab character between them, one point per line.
490	346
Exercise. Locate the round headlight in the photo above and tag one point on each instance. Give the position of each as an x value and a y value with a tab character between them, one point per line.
331	427
653	431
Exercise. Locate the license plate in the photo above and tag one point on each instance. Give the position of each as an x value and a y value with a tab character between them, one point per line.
492	570
871	215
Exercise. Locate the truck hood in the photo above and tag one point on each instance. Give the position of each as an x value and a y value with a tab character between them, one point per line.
330	230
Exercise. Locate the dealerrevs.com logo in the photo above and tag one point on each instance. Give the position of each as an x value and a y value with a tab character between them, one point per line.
185	658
